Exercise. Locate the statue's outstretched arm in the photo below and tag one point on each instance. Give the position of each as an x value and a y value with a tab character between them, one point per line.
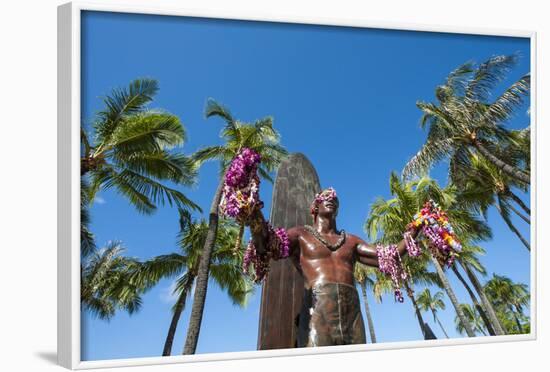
368	255
258	230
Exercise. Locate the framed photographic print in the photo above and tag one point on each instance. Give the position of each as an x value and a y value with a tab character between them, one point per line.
242	186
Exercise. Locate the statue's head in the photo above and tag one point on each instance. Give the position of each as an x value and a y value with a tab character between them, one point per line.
325	204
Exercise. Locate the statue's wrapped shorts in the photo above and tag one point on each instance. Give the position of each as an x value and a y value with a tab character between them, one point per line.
331	315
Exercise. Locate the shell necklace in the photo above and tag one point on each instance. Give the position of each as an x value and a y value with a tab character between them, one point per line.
318	236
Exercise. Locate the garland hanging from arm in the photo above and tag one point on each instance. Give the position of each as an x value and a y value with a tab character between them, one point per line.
437	234
241	201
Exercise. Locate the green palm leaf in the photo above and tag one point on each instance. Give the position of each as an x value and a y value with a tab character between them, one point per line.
122	103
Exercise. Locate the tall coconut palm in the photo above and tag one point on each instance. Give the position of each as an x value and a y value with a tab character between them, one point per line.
130	150
105	282
483	185
262	138
87	240
463	118
364	277
225	268
473	318
509	297
468	260
427	302
520	146
420	276
390	218
486	303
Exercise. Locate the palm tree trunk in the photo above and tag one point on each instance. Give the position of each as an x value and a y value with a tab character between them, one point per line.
519	202
518	323
518	213
427	335
514	229
202	274
487	305
506	168
452	297
367	312
178	309
476	303
440	325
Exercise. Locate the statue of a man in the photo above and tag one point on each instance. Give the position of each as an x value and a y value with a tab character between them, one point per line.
325	256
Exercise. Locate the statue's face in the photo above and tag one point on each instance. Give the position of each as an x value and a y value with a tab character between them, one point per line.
325	203
328	207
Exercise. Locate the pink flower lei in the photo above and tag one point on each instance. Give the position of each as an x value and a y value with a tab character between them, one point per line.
389	263
241	186
240	198
278	246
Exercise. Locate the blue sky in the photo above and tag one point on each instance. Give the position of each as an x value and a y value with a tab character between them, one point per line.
347	89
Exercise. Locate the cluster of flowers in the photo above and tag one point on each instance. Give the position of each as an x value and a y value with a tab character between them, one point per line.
240	199
435	226
278	246
241	186
389	263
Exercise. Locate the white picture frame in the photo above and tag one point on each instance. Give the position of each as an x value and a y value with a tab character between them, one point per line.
69	40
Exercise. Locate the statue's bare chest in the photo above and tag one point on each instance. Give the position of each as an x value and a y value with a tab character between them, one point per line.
312	249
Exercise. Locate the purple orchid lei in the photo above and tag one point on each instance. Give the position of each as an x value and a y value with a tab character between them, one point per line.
241	186
389	263
240	199
278	246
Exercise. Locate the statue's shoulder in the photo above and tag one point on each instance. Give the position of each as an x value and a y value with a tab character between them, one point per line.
296	230
353	238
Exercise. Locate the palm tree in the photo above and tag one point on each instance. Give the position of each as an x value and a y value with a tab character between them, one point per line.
483	185
225	268
486	303
468	259
259	136
364	276
427	302
520	146
419	276
391	216
509	298
129	150
473	318
87	240
105	282
463	120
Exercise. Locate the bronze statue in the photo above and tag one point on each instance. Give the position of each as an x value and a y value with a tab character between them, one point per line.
325	257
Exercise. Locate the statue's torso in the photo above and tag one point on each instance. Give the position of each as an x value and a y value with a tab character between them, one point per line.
319	264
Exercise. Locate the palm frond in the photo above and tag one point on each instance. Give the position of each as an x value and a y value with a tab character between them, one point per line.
157	268
161	165
122	103
147	132
512	98
488	75
144	192
210	153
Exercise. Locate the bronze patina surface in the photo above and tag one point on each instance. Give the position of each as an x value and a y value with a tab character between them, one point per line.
323	258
